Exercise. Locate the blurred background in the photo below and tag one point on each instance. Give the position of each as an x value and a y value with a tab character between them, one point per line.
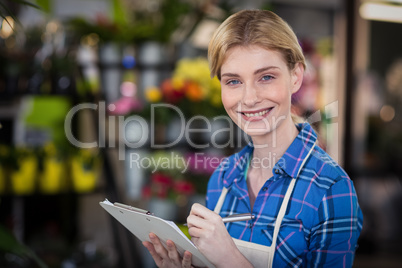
113	99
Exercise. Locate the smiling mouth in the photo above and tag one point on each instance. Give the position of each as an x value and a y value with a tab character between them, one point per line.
257	114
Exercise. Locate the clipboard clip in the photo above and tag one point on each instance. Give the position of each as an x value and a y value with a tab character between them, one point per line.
146	212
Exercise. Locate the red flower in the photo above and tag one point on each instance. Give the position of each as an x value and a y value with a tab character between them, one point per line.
146	191
161	179
161	185
171	93
184	187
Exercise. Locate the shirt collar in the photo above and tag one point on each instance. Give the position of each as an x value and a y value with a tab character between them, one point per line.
289	163
293	158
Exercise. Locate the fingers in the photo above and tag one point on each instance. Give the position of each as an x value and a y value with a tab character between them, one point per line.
159	248
195	232
152	251
186	262
172	252
201	212
166	257
196	221
202	222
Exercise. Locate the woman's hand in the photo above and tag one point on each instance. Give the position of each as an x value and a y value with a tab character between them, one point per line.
169	258
210	236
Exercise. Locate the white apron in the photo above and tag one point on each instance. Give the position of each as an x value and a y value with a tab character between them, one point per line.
261	256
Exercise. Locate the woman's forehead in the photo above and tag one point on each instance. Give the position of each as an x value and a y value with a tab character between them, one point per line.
254	54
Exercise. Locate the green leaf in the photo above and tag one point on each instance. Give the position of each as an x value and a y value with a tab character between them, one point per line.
5	11
8	243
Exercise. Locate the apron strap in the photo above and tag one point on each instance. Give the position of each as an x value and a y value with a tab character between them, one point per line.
221	199
285	201
281	212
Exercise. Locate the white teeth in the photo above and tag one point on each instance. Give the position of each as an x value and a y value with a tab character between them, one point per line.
256	114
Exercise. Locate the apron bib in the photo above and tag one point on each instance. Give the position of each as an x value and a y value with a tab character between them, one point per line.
261	256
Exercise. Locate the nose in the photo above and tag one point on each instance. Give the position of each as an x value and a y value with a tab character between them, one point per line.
250	96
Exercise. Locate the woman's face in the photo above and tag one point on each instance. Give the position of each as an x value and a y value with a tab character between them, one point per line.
257	87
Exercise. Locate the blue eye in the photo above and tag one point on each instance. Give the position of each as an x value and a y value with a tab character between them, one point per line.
233	82
267	77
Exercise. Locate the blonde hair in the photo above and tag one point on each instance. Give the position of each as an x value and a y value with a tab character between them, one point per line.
254	27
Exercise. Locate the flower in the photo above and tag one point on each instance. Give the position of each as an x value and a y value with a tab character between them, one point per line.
190	88
194	91
153	94
196	70
173	90
166	179
160	186
163	186
184	187
85	168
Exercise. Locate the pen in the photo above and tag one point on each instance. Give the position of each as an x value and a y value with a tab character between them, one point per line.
132	208
236	217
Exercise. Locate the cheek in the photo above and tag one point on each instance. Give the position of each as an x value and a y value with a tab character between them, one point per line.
278	95
228	100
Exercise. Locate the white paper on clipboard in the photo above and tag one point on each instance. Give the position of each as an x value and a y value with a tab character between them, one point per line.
141	224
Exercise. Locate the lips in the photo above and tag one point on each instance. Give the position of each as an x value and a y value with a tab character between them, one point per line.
256	115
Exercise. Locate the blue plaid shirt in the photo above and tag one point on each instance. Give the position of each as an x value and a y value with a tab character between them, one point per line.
323	220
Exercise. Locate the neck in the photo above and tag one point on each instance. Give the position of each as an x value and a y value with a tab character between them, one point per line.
268	149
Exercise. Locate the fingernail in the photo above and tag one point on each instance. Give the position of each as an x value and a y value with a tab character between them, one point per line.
187	255
152	236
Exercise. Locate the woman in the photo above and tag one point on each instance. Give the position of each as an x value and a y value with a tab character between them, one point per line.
305	208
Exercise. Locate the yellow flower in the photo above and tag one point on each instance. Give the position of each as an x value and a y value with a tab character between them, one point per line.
197	70
153	94
216	100
178	83
215	83
23	179
52	179
84	180
193	69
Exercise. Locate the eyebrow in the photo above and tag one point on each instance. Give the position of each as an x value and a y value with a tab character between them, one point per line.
265	69
230	75
255	72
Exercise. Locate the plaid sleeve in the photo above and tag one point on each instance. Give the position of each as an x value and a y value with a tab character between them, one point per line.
333	239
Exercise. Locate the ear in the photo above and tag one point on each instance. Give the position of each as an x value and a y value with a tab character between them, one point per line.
297	77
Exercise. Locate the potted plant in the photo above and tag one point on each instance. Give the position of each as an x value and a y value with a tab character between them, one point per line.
24	170
53	170
85	170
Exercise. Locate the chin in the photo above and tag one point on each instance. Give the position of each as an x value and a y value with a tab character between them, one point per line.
258	133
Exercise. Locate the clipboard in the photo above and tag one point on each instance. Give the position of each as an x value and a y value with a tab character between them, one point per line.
141	222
